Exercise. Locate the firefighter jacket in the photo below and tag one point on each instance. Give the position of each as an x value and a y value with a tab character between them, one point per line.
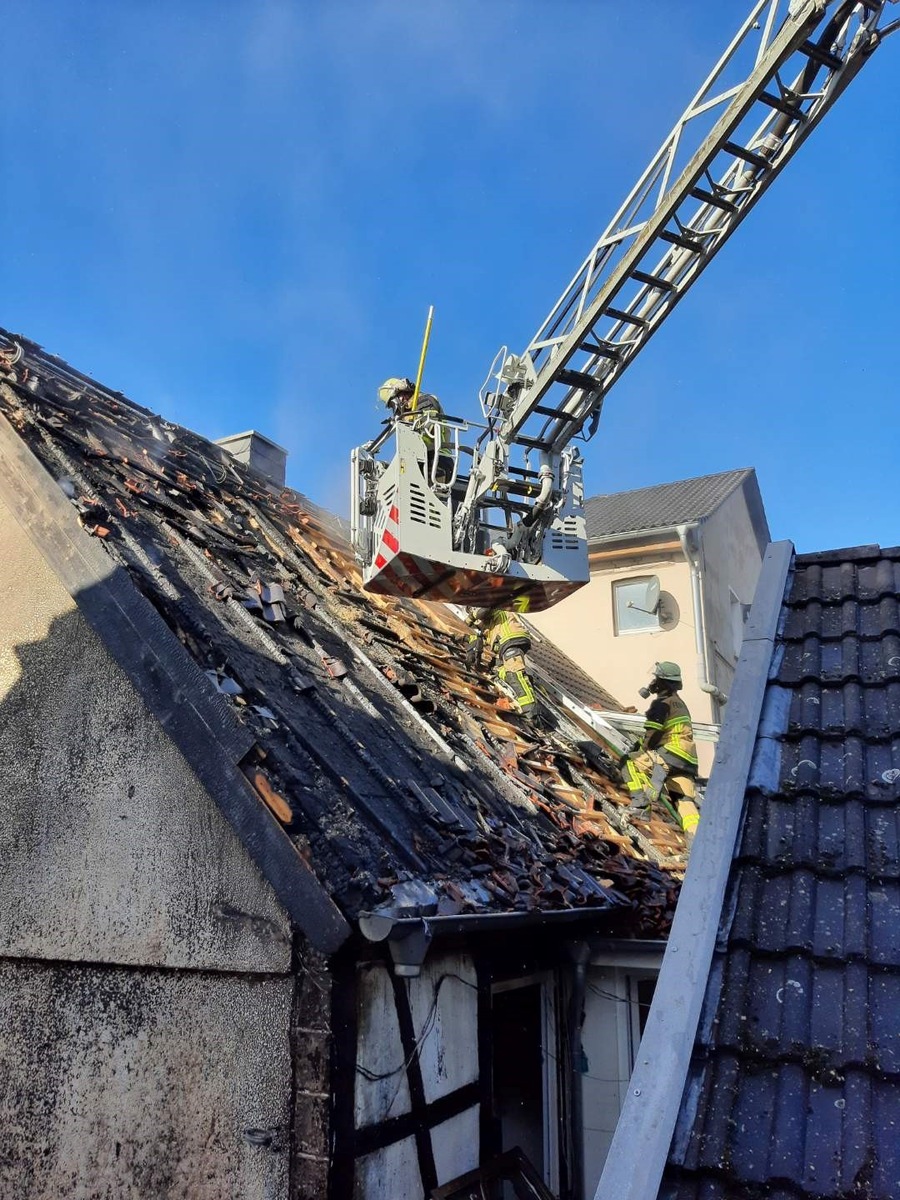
427	408
670	733
505	635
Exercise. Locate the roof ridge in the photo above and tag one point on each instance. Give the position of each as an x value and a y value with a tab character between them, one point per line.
847	554
653	487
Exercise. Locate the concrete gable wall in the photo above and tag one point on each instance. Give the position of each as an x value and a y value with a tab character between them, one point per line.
110	849
733	548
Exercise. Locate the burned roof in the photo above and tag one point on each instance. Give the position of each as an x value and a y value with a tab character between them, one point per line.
402	779
662	506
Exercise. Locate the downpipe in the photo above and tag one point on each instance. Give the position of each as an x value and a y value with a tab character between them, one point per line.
580	953
685	535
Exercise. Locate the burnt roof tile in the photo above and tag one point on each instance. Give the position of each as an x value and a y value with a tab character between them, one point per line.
375	777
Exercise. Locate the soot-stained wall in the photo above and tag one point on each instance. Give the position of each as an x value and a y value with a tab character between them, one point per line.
155	1026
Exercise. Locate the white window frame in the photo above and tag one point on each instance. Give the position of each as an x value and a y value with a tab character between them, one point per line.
623	1022
631	580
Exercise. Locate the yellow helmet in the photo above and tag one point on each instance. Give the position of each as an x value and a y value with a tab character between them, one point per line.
394	387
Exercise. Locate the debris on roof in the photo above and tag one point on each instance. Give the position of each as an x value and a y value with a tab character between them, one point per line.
399	769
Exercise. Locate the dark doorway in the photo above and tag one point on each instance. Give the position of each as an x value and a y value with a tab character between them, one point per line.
517	1033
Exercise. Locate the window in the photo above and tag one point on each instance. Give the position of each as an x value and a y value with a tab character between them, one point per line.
635	604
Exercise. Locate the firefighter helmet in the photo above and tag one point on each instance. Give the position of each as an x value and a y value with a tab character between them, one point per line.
669	671
521	604
394	387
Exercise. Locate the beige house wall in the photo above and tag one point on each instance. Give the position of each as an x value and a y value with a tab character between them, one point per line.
583	625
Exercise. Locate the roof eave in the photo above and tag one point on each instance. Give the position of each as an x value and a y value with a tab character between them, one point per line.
409	938
635	535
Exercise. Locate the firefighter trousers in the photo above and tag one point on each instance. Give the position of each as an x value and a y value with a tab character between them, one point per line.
644	775
514	681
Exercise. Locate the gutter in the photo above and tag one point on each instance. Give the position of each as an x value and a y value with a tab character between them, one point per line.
688	534
408	938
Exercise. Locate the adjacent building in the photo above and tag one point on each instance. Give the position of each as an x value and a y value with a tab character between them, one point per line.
673	572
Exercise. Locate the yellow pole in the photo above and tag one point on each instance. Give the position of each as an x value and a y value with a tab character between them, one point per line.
425	340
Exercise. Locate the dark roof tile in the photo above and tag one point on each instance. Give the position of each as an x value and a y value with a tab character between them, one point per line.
797	1055
662	506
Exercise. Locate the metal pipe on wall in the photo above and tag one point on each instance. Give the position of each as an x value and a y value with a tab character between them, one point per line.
580	952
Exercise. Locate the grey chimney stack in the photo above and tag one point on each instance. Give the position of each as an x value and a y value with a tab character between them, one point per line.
258	452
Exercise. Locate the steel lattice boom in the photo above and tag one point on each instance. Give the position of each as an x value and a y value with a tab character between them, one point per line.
784	69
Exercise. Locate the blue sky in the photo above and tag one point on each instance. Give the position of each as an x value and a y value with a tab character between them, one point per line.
238	212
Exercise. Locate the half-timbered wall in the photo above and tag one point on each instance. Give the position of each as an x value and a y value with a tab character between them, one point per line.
416	1106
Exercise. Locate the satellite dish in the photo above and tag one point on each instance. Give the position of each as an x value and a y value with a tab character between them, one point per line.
667	611
651	596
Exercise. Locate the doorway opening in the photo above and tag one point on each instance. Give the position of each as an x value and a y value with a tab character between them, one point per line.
517	1035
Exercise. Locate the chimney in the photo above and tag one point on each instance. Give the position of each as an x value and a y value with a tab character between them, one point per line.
258	452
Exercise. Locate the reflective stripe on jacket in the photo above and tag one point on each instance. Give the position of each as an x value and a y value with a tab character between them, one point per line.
428	408
504	632
669	730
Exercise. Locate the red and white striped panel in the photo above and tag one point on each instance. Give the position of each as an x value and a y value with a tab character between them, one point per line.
415	577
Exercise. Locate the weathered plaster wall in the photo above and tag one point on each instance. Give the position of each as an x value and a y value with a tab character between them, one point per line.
110	849
153	1038
117	1084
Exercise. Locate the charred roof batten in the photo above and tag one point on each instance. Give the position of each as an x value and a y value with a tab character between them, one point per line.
387	767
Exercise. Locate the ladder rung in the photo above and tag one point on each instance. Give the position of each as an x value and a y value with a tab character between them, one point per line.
653	281
554	412
520	488
618	315
576	379
784	106
755	160
604	349
524	472
678	239
711	198
817	54
531	443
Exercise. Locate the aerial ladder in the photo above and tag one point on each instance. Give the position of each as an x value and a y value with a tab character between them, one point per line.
485	512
